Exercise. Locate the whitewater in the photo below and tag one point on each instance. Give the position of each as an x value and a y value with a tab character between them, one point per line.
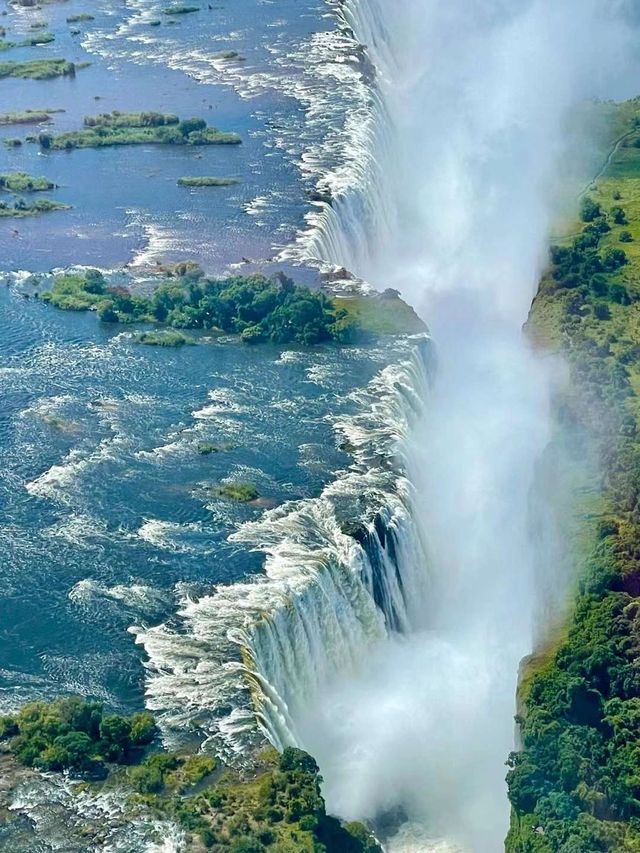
386	633
464	163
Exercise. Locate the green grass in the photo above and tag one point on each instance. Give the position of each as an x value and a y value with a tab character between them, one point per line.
386	314
21	182
207	181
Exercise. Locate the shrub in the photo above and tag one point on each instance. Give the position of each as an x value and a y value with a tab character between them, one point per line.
190	125
619	216
589	209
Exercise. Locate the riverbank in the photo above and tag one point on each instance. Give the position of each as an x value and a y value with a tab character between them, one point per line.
574	785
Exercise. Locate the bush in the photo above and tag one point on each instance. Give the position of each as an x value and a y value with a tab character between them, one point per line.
601	311
73	750
619	216
150	777
190	125
143	728
589	209
115	733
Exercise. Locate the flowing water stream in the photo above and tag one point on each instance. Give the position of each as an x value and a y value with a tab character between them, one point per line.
377	612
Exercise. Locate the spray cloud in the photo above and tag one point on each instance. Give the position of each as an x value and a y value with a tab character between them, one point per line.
465	155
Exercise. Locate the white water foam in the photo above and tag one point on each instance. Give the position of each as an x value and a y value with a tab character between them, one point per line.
71	819
244	657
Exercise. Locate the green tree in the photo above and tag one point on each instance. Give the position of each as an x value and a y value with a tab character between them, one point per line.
115	733
589	209
73	750
191	125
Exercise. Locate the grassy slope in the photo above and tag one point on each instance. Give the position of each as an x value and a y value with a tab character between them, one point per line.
575	786
384	314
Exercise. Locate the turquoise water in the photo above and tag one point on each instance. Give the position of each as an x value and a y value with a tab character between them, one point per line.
109	511
124	575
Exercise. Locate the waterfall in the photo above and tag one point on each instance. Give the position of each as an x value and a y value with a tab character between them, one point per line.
386	631
342	573
457	176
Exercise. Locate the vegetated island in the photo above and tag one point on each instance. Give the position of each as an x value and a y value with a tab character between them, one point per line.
257	308
21	209
39	69
239	492
81	18
278	809
575	784
20	182
119	128
207	181
28	117
29	41
180	10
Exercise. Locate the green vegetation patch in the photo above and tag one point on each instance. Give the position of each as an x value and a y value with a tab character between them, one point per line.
575	784
74	734
381	314
81	18
239	492
138	129
38	69
37	39
164	338
206	448
21	182
281	810
278	809
21	209
180	10
207	181
256	308
27	117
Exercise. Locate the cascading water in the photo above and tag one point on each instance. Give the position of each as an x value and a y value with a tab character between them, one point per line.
386	632
342	571
460	175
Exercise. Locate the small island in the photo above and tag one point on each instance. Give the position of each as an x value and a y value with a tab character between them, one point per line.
256	308
163	338
180	10
239	492
207	181
21	208
81	18
21	182
39	69
119	128
28	116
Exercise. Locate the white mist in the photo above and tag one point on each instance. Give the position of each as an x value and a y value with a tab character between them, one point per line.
465	163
